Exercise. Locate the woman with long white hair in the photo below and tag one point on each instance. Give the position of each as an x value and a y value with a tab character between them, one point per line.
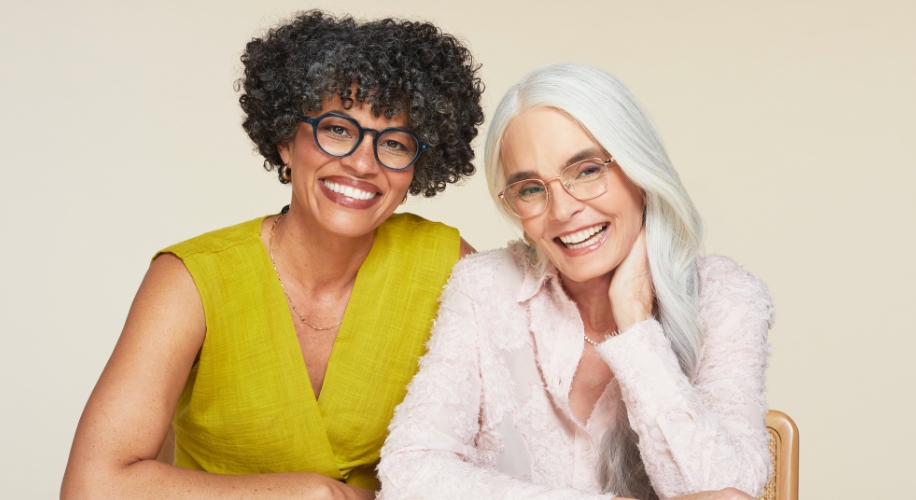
603	356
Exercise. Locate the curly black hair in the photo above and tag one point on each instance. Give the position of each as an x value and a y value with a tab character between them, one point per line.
397	67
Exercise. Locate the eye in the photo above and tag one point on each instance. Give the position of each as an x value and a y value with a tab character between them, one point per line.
393	146
337	131
529	190
588	171
335	128
397	143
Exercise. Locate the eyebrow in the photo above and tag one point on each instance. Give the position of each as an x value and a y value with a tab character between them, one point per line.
335	111
585	154
341	112
520	176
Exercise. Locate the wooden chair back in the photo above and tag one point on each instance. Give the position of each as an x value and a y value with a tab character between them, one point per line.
783	484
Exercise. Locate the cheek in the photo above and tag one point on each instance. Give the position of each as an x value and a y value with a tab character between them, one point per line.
629	222
400	180
532	227
633	218
627	204
311	156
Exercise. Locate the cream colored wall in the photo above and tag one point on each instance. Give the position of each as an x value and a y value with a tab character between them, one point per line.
792	125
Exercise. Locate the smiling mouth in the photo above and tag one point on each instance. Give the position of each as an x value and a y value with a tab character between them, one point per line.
348	191
583	238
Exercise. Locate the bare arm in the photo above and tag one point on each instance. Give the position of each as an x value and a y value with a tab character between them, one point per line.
128	415
167	452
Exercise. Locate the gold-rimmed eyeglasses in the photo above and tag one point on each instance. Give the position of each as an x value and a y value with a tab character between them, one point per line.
583	180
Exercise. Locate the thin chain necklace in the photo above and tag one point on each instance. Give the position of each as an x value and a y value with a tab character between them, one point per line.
270	253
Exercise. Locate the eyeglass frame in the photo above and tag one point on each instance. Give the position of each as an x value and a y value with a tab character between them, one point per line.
421	146
604	163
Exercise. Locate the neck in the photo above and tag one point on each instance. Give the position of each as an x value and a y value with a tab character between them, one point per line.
592	300
317	260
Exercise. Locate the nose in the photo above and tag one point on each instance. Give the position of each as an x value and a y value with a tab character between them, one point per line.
362	161
562	205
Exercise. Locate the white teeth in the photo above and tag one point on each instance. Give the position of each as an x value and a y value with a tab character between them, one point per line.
349	192
573	240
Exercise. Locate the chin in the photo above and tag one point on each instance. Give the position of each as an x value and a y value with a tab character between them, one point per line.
583	268
352	224
584	273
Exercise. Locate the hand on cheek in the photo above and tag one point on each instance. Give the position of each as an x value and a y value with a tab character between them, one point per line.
631	293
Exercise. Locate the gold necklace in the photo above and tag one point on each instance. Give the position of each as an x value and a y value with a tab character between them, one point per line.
270	253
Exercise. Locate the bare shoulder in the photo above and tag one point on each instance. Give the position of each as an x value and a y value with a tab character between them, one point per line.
167	269
166	317
170	267
169	288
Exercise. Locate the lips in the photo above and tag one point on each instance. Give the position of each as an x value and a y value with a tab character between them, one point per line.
583	237
350	193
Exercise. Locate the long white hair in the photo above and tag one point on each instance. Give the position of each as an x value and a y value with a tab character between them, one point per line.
604	107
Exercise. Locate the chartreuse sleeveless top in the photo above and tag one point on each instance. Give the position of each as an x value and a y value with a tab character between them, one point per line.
248	405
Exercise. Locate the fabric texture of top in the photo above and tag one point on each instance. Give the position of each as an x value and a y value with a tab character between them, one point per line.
248	405
488	415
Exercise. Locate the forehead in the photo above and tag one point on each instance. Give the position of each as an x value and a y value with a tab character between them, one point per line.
543	141
362	112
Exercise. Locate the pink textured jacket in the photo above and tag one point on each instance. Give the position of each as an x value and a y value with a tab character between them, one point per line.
488	414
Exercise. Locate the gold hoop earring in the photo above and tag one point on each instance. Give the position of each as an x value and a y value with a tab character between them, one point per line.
404	200
286	172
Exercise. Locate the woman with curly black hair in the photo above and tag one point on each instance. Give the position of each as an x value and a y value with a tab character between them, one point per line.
277	349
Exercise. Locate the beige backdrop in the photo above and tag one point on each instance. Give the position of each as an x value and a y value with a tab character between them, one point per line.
791	123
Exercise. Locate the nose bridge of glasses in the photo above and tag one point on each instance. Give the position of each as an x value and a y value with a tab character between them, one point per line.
361	155
364	147
562	205
567	186
361	140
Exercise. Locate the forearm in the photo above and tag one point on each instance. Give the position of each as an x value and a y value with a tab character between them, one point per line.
444	475
691	437
150	479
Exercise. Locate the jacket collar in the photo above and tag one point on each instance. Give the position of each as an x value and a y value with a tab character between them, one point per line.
556	327
534	280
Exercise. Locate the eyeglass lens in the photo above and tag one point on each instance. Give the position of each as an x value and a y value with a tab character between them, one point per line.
339	137
584	180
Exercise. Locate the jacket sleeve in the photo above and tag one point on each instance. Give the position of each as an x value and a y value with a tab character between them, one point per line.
708	433
430	451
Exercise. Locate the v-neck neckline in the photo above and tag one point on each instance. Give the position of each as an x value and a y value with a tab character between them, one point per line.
558	342
344	334
291	336
378	348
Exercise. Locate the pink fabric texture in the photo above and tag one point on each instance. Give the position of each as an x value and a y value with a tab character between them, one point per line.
488	414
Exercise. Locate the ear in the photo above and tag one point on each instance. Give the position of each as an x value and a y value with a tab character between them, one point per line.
285	152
